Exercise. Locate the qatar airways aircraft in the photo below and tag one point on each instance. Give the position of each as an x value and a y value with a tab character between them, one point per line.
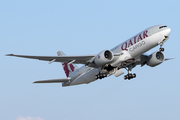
126	55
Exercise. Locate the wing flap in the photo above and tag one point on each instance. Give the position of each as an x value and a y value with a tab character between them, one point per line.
76	59
53	80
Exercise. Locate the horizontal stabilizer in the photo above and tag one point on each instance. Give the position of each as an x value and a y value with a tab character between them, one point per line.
53	81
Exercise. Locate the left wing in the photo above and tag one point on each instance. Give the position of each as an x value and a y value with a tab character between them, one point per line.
169	59
143	59
75	59
54	80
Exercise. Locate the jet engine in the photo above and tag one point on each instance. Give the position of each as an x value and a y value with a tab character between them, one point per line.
103	57
155	59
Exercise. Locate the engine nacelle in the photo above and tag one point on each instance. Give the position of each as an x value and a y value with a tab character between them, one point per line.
103	57
155	59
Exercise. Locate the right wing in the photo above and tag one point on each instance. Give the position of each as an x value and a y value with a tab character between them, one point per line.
75	59
54	80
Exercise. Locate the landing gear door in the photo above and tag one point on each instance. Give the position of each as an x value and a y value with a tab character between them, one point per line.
118	73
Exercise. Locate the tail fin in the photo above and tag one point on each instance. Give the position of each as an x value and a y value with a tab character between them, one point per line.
68	68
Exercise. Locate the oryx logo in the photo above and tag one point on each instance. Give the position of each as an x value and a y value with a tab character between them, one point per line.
68	68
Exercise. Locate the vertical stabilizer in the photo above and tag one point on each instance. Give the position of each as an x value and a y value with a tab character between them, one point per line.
68	68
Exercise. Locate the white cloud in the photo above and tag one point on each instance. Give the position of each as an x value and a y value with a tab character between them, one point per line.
28	118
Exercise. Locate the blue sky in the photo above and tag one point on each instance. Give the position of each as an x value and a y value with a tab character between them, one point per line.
78	27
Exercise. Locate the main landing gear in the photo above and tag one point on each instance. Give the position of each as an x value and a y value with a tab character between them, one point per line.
101	75
129	75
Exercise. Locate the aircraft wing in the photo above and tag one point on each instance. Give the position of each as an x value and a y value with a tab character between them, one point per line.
53	81
75	59
144	58
169	59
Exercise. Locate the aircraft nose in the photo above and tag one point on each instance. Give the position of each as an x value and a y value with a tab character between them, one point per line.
166	32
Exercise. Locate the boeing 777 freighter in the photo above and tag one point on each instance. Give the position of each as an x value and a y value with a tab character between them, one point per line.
126	55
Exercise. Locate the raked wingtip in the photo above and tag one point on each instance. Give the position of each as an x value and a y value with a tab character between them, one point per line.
9	55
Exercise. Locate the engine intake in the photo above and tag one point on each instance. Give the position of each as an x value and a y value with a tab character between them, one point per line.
108	55
155	59
103	57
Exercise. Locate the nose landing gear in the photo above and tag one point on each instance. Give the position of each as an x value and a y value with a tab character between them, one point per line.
161	49
162	42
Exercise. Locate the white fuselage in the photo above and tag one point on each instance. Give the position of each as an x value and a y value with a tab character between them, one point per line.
129	50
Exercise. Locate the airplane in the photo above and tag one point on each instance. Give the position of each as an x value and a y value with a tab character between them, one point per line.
126	55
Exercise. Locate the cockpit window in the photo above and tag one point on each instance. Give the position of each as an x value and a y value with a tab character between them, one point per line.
162	27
